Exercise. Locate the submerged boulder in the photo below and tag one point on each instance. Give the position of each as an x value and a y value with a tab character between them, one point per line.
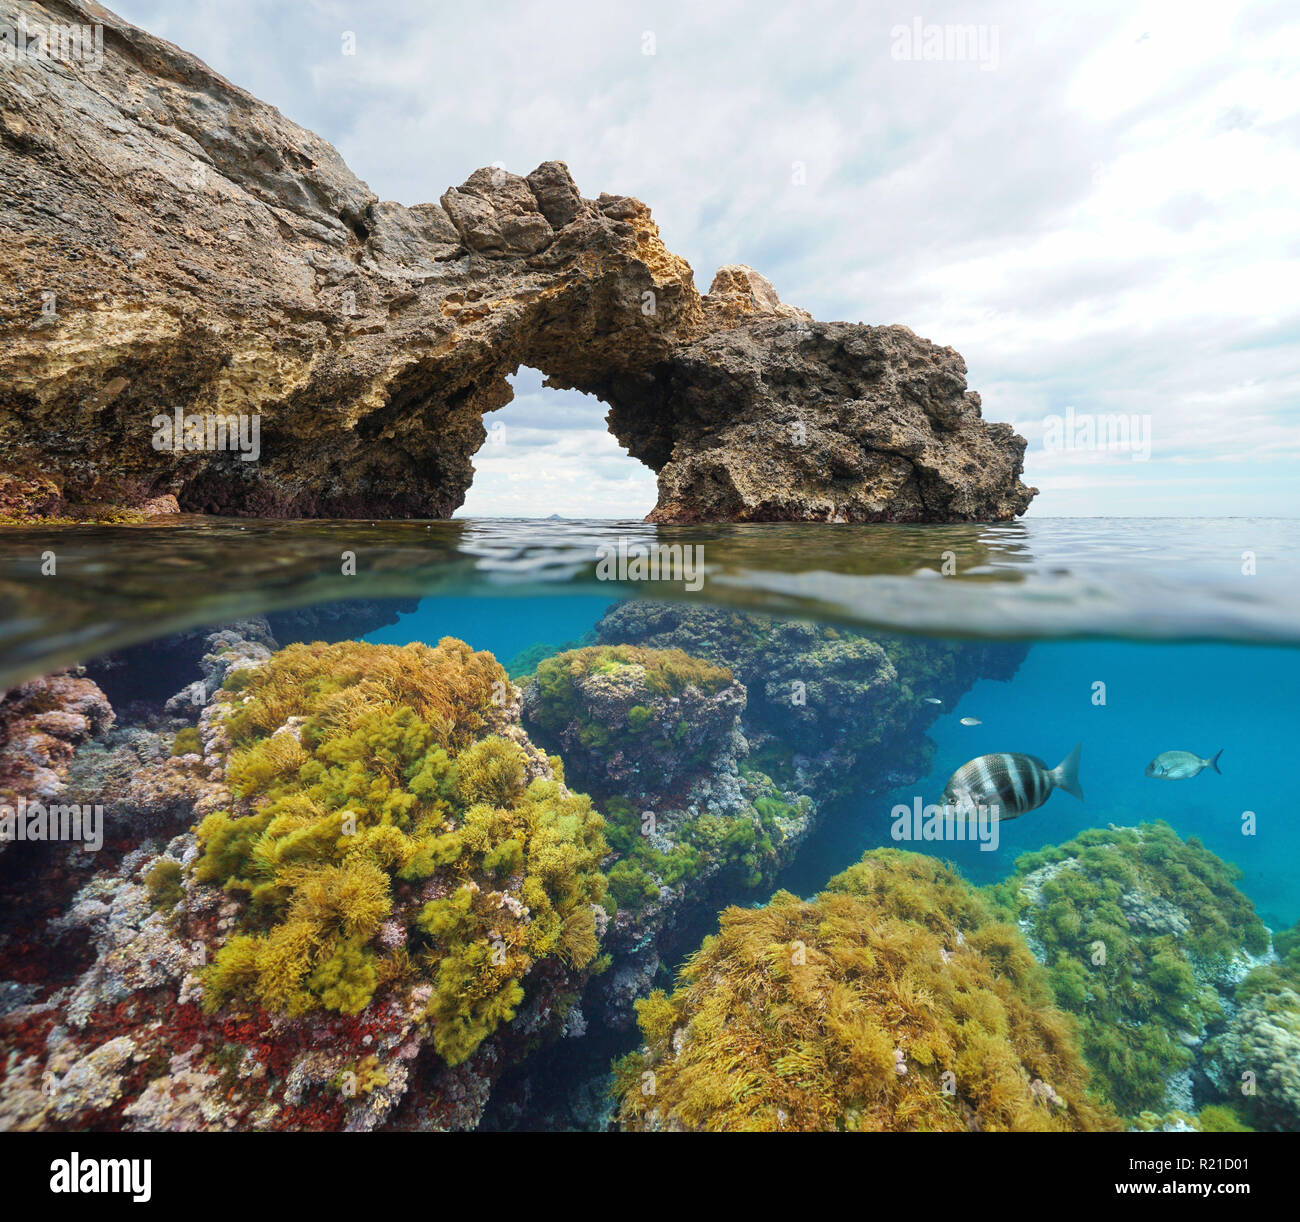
1254	1061
830	711
1145	937
186	263
654	737
42	722
893	1001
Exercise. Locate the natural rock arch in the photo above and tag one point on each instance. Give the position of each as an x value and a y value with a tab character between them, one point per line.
183	246
550	454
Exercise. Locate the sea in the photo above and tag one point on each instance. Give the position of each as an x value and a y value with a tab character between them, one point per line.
1127	637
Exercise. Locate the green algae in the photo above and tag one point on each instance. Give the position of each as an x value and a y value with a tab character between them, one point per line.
668	672
895	1000
165	882
187	742
366	775
1130	922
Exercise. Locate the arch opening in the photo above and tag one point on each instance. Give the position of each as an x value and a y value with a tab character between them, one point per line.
550	453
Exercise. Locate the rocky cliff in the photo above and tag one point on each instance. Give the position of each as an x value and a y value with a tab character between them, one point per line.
173	244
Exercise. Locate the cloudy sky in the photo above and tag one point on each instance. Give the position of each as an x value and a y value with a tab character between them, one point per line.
1097	208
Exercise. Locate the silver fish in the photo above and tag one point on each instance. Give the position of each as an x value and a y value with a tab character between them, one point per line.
971	721
1011	784
932	699
1180	765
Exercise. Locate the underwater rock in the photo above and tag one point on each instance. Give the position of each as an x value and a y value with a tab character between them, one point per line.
829	710
389	899
893	1001
138	679
635	722
653	736
1255	1061
146	787
1262	1040
181	248
349	620
632	975
1145	937
41	723
244	643
1175	1121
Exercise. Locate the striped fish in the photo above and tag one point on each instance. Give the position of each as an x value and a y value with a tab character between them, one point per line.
1011	784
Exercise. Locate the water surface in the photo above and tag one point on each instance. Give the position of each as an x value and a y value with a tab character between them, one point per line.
1230	579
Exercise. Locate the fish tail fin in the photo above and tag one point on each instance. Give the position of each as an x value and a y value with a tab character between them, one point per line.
1066	774
1214	761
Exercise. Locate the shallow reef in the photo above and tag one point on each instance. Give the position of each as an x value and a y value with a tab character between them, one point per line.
1213	1118
1145	937
390	896
653	736
392	832
1255	1060
356	886
830	711
894	1000
42	722
140	680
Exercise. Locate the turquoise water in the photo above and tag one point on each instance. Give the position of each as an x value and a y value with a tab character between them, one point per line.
1201	697
496	623
1198	697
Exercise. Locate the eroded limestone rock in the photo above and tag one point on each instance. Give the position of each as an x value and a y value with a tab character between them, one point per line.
173	243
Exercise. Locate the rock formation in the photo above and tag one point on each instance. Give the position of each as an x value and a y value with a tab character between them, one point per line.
114	1003
1260	1044
174	245
1145	937
653	737
893	1001
141	679
41	724
829	711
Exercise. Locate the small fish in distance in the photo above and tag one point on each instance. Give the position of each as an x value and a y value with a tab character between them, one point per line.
1181	765
971	721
